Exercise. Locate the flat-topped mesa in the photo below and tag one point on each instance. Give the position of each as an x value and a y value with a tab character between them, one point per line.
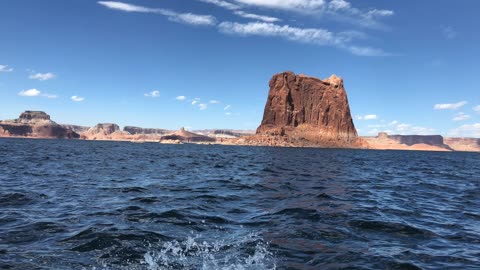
35	124
34	115
303	107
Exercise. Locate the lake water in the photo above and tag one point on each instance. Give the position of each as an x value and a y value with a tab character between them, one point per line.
119	205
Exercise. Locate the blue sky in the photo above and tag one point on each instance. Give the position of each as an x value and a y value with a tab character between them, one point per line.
410	67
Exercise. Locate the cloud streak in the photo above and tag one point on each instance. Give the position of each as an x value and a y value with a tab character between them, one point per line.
42	76
266	26
5	68
153	94
77	98
450	106
186	18
35	93
317	36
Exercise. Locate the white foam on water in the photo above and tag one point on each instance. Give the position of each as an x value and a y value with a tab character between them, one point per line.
249	252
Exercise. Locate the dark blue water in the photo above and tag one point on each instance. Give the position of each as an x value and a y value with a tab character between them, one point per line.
112	205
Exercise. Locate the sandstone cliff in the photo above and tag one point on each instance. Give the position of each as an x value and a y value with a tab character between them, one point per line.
309	109
464	144
407	142
35	124
145	131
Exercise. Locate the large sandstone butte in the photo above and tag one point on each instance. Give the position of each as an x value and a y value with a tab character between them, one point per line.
306	108
35	124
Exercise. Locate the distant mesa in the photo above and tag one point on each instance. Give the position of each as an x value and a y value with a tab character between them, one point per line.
28	116
147	131
35	124
304	108
187	137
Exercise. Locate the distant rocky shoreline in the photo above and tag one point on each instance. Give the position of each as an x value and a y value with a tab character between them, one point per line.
300	111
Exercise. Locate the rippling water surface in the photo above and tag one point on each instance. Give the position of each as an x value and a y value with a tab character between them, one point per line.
112	205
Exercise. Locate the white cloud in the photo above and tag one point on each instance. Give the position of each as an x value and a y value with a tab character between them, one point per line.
77	98
153	94
5	68
304	5
366	117
253	16
472	130
339	4
408	129
461	117
228	113
452	106
181	98
195	101
449	32
214	102
227	107
30	93
337	9
223	4
187	18
35	93
203	106
42	76
316	36
476	108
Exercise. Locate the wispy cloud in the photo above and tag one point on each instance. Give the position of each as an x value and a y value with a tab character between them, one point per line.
448	32
237	11
153	94
450	106
336	9
316	36
253	16
195	101
203	106
223	4
367	117
35	93
476	108
5	68
461	117
408	129
472	130
227	107
181	98
214	102
77	98
187	18
42	76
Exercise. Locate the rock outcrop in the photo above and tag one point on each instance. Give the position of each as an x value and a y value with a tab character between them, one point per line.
186	137
407	142
77	129
308	109
464	144
35	124
145	131
105	131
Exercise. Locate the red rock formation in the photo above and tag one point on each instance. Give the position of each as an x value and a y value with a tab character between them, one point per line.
310	109
35	124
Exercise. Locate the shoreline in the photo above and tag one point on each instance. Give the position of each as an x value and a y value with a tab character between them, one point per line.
245	145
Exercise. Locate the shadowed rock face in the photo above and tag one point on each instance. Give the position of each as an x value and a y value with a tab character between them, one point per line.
308	108
436	140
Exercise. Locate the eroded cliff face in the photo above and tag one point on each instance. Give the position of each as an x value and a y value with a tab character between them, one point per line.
464	144
35	124
145	131
307	108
